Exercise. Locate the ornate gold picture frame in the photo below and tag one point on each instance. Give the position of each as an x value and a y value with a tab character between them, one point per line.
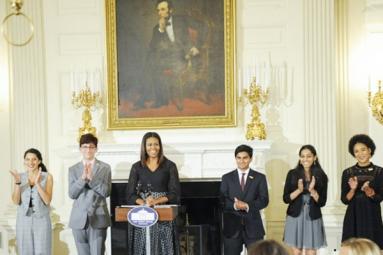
170	64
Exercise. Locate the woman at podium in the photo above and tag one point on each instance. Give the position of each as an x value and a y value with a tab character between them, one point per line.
362	192
154	181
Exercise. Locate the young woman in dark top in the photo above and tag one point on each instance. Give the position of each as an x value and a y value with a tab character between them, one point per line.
305	192
362	192
153	181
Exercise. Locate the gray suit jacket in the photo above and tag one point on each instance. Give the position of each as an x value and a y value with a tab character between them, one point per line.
90	197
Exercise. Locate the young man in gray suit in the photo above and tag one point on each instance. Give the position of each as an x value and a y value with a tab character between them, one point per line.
89	186
244	193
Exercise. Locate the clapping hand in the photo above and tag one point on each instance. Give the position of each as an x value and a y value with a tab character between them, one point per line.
300	185
240	205
150	201
38	177
84	173
353	182
312	184
89	171
16	176
367	189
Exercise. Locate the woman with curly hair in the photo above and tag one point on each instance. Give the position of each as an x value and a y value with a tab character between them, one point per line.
362	192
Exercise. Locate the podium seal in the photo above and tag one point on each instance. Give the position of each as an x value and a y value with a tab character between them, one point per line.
142	216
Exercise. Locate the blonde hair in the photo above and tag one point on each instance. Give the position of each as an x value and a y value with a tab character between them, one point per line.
361	246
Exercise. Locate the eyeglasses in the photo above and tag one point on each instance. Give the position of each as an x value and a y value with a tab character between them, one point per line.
88	147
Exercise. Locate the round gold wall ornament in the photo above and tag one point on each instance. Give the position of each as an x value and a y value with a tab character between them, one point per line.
16	6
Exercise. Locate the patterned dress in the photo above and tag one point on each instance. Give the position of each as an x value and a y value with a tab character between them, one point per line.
161	182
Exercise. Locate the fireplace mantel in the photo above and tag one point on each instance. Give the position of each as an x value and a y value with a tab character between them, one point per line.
194	160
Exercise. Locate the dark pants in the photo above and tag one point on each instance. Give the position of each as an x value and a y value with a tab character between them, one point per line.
233	246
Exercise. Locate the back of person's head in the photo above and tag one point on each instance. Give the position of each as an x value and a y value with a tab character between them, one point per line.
359	246
244	148
268	247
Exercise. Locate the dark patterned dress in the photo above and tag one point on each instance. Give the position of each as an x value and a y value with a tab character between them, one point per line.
161	182
363	215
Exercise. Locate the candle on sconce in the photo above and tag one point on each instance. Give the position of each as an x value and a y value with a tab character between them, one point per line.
369	83
100	80
96	80
257	73
72	82
268	74
104	71
251	73
263	74
92	80
87	78
239	76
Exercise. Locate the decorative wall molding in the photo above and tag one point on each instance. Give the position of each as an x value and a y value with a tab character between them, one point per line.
263	37
319	86
73	7
84	44
28	95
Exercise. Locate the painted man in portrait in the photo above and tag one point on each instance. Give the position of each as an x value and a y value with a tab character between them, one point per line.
174	52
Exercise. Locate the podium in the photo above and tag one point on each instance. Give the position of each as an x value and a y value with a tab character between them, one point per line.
165	212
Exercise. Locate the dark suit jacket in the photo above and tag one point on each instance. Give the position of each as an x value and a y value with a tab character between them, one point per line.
167	55
295	205
255	194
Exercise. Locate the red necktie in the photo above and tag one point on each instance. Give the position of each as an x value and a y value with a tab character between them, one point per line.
243	182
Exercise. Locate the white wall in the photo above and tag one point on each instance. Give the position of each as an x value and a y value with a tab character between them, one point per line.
5	133
374	42
312	104
5	156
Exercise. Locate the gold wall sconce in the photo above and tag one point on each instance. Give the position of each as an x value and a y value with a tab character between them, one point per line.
16	6
376	103
89	98
257	97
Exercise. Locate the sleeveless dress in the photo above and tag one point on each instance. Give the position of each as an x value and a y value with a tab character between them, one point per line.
33	223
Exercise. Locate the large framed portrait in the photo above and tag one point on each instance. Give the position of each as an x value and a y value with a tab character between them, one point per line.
170	63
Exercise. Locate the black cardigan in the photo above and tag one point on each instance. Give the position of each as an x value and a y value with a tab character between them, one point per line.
291	184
